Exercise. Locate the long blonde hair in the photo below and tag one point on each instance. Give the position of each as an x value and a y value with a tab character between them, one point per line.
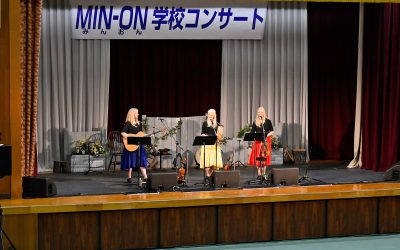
130	117
259	120
212	123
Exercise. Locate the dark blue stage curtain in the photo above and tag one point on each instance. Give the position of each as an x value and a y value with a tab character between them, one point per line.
332	70
170	78
381	87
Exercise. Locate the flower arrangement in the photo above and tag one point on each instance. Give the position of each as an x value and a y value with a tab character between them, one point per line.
244	130
275	142
83	147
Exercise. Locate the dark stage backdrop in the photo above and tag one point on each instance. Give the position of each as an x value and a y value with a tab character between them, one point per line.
332	48
381	87
169	78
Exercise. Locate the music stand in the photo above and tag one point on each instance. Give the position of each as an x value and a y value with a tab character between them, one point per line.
139	140
254	137
204	140
238	162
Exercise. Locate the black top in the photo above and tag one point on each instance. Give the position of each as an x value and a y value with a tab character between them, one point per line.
130	129
267	127
205	129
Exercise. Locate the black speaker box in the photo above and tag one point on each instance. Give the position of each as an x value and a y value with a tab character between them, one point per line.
285	176
226	179
162	181
392	174
5	161
38	187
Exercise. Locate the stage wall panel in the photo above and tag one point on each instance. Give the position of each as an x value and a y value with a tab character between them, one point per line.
389	214
129	229
68	231
188	226
244	223
352	217
299	220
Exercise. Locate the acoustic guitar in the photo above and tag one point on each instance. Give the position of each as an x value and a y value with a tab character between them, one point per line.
133	147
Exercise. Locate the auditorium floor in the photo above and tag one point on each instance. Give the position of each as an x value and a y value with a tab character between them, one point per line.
96	183
369	242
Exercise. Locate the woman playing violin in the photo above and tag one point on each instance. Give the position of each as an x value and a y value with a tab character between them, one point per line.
130	159
261	150
213	158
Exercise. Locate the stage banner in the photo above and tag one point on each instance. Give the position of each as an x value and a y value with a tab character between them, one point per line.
168	19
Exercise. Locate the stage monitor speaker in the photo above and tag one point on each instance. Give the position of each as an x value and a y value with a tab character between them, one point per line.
162	181
5	161
226	179
38	187
393	173
285	176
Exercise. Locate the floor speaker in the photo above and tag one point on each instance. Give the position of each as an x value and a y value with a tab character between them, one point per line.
38	187
226	179
392	174
5	161
162	181
285	176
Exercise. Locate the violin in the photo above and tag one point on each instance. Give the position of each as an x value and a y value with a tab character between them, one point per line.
181	173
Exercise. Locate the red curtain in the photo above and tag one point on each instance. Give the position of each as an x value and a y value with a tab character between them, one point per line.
381	87
332	48
169	78
31	13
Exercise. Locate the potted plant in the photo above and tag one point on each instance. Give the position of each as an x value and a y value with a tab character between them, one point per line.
277	151
85	150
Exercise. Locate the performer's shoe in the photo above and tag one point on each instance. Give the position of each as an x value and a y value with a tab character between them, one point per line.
129	180
259	177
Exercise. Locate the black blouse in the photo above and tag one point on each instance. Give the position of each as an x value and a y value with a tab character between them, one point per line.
205	129
267	127
130	129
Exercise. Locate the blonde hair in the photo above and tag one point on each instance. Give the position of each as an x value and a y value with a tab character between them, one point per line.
130	117
263	117
212	123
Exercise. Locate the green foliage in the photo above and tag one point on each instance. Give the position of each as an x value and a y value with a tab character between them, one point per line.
275	142
244	130
83	147
164	136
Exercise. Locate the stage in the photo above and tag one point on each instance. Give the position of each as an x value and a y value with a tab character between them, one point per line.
96	183
102	211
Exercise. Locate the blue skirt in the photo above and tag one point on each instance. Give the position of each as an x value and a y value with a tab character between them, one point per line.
131	159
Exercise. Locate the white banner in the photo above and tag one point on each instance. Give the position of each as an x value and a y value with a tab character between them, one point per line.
167	19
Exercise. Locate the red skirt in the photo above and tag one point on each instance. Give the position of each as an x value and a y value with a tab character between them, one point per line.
256	152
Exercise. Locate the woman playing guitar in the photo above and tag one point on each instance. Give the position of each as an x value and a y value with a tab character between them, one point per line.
130	157
261	151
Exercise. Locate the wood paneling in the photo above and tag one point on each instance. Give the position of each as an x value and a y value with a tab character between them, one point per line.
352	217
15	98
298	220
22	230
193	199
389	215
130	229
188	226
68	231
244	223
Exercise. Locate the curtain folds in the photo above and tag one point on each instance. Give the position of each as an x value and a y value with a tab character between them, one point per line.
380	120
30	44
73	83
272	73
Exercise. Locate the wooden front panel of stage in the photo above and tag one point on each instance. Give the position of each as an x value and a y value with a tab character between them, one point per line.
299	220
200	218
